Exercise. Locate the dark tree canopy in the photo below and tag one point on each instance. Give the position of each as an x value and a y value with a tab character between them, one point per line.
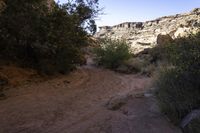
46	35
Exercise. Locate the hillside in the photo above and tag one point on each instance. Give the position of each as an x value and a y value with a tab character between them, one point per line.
143	35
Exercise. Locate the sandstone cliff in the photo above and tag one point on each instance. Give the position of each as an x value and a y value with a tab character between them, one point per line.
143	35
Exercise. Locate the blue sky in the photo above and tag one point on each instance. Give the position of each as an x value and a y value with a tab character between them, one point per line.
118	11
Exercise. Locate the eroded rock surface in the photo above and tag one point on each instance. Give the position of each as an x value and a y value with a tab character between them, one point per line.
143	35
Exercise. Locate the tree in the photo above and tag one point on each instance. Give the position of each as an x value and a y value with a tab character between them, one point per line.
45	37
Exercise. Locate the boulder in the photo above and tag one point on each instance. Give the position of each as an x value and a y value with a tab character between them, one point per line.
164	39
115	103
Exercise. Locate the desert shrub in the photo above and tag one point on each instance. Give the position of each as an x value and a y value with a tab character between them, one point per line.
178	94
149	69
112	53
144	62
160	53
179	85
140	65
48	39
185	53
148	61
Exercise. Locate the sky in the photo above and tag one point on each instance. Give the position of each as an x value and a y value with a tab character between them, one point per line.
118	11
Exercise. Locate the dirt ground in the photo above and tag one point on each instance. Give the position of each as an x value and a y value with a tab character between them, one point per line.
76	103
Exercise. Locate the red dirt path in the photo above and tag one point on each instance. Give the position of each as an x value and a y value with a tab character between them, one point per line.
76	104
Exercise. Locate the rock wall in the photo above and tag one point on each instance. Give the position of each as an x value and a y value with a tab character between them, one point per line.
143	35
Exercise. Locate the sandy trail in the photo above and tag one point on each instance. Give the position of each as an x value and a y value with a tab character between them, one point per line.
76	104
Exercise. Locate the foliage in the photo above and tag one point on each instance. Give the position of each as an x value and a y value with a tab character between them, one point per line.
112	53
179	93
47	38
185	53
179	84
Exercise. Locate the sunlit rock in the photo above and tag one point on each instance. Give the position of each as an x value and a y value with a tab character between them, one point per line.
142	35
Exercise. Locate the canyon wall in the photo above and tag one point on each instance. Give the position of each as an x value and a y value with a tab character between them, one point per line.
143	35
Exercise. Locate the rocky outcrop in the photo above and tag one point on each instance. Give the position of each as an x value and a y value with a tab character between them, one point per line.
143	35
164	39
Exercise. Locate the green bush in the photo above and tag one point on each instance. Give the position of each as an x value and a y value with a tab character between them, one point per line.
178	93
179	84
112	53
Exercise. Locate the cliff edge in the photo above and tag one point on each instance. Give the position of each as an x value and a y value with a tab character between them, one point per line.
143	35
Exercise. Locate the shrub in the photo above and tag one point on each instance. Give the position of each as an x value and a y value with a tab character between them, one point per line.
149	69
179	85
112	53
149	60
178	93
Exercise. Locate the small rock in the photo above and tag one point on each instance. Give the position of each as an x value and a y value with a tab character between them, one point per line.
138	95
116	102
148	94
66	82
123	69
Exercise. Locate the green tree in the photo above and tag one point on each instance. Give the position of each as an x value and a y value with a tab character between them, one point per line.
48	38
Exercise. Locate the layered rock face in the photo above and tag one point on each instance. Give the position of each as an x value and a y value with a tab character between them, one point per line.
143	35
